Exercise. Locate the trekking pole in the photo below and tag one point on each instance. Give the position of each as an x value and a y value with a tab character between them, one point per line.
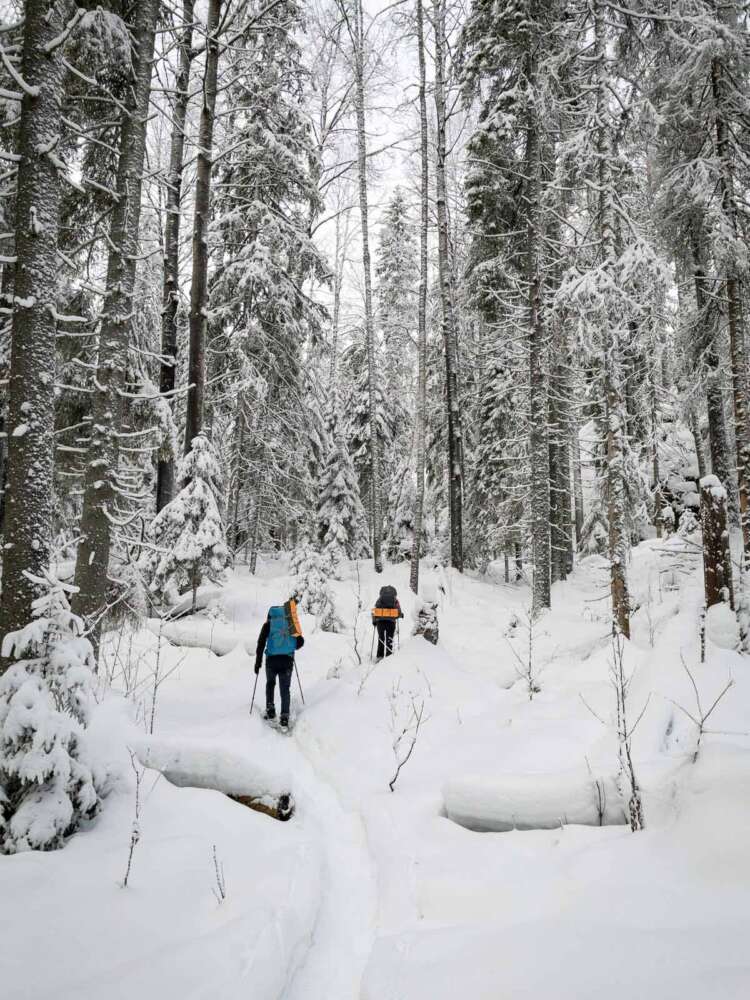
252	702
398	634
372	644
299	682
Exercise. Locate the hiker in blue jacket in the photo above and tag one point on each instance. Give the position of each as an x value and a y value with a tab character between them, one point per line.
280	638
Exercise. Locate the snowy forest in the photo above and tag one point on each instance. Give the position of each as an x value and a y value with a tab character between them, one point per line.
304	302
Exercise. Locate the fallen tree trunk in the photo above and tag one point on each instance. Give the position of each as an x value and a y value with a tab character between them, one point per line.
534	801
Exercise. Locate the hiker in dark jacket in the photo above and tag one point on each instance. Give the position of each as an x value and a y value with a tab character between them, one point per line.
279	638
385	622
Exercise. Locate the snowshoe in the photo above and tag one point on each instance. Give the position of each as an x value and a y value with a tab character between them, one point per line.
284	721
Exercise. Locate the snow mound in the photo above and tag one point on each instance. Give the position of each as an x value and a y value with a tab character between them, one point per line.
533	801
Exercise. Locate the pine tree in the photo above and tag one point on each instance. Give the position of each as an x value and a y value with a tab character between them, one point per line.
48	782
189	531
395	281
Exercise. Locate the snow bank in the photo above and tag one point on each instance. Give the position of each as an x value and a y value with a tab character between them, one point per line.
205	634
204	598
533	801
206	765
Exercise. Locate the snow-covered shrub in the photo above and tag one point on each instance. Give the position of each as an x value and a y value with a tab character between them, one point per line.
48	785
189	531
128	601
310	587
594	533
426	623
689	524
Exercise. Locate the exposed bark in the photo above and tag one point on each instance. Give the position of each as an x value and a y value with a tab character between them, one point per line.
449	323
717	559
199	286
165	472
421	407
6	300
239	447
732	288
615	417
358	40
538	348
99	496
721	465
575	443
30	420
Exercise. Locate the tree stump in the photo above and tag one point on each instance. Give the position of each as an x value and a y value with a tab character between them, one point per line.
717	562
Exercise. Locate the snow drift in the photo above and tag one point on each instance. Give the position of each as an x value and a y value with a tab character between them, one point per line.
533	801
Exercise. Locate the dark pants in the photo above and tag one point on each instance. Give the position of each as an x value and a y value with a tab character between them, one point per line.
281	667
386	630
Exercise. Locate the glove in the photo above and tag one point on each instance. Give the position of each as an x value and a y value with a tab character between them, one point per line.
258	662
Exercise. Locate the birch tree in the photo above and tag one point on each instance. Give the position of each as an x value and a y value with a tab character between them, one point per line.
354	15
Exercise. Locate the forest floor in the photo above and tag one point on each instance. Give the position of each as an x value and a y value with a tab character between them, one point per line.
368	894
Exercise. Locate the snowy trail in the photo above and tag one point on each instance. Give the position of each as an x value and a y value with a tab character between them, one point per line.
344	930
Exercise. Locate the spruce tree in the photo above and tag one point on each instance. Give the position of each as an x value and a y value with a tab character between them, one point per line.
48	782
189	532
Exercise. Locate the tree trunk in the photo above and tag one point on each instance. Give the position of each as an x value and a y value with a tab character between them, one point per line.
450	329
735	323
615	415
199	285
165	466
717	560
700	455
99	491
237	485
6	299
717	428
421	408
538	402
575	443
359	74
31	387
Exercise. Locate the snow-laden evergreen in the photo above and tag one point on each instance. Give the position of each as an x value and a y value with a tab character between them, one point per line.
310	588
49	783
341	525
189	532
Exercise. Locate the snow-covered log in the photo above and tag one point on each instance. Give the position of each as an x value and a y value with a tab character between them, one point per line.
200	633
533	801
199	765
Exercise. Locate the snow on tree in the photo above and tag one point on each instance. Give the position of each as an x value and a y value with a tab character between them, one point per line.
310	586
48	783
341	523
189	531
396	278
399	531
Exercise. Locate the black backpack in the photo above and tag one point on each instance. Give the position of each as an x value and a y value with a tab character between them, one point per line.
387	597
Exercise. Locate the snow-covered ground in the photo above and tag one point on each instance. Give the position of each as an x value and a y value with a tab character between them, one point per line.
368	894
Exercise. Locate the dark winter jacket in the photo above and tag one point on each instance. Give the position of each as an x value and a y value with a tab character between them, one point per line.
261	648
388	600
